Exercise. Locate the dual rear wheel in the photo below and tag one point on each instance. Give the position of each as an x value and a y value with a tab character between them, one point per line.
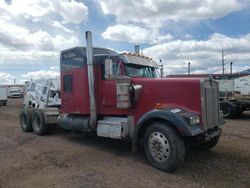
33	120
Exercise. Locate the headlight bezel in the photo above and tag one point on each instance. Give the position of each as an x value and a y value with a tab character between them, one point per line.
194	120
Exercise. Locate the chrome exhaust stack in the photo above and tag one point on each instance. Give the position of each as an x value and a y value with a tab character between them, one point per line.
90	64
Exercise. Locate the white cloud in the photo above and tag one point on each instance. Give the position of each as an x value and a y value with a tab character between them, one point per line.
70	11
6	78
41	74
204	55
33	32
18	34
19	42
21	38
61	26
152	12
14	57
28	8
134	34
13	35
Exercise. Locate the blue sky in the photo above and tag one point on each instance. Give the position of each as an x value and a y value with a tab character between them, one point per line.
33	32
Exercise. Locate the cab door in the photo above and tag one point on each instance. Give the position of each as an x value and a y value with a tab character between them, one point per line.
107	86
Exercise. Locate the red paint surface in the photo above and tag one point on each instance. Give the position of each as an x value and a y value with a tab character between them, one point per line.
76	102
172	92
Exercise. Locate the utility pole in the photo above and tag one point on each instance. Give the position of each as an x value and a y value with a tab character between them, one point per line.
231	68
223	62
188	68
137	49
161	68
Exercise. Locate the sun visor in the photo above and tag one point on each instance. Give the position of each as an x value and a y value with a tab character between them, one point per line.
139	60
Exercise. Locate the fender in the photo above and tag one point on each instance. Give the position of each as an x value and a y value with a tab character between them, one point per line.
176	119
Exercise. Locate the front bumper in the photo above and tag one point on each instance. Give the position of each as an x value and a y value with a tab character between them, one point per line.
207	135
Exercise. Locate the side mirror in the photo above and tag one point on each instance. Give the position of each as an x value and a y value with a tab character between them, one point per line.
108	68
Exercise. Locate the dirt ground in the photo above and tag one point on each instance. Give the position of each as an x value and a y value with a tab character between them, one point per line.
71	160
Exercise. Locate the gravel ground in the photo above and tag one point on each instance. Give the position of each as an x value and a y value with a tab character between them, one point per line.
72	160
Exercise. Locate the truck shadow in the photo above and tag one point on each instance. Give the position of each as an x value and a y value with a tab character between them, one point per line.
208	163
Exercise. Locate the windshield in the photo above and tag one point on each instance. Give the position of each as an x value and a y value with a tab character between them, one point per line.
14	91
133	70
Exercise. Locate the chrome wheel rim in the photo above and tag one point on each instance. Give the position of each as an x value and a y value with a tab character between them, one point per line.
159	146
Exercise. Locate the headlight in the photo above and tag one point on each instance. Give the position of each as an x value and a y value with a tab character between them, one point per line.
194	120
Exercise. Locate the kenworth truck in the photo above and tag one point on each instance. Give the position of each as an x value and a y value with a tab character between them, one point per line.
119	96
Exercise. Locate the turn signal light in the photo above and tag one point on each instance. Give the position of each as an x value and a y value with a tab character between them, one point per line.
159	106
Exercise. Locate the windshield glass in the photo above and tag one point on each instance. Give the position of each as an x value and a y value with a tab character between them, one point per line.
14	91
133	70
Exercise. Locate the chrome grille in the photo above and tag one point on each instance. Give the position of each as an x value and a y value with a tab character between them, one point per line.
210	103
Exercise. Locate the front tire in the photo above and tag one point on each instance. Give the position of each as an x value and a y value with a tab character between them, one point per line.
164	148
38	123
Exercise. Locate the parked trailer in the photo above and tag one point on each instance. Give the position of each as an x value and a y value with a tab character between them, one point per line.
119	96
3	95
234	95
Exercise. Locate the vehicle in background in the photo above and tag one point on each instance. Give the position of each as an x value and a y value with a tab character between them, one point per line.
15	92
3	95
234	95
41	96
119	96
42	93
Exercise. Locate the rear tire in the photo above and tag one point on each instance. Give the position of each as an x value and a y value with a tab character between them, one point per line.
4	103
25	120
229	110
164	148
38	123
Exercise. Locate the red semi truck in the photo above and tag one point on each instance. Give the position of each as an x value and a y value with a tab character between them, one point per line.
119	96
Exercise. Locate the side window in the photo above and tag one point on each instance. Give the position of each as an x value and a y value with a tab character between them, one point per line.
33	87
69	55
45	90
72	59
67	83
116	68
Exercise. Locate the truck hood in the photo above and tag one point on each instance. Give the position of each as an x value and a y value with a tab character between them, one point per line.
171	92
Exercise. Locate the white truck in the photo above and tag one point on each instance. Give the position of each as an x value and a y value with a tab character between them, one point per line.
41	100
3	95
234	95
